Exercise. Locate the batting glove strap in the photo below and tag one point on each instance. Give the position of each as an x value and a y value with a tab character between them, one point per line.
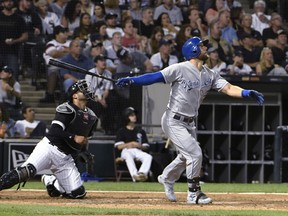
245	93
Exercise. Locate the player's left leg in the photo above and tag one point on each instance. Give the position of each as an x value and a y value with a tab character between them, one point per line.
193	156
146	160
37	161
18	175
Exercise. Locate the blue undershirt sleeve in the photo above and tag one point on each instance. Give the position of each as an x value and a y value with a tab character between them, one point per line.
148	79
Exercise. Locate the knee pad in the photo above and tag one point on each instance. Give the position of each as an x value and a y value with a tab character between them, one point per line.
18	175
78	193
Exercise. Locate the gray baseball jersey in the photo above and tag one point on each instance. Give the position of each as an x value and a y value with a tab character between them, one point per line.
189	87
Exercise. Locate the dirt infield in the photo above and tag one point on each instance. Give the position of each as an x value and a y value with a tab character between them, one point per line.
150	200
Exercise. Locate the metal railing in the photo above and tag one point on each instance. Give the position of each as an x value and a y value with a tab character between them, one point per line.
278	154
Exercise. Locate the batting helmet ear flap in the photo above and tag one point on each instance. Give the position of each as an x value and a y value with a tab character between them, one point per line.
195	49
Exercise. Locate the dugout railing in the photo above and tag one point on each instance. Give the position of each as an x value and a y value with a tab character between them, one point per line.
280	157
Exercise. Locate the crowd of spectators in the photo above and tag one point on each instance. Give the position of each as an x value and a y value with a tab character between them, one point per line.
121	38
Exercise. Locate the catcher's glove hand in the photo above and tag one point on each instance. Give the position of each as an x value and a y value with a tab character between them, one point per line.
259	97
85	156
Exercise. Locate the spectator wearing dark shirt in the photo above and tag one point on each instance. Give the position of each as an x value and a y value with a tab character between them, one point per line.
280	51
246	22
270	34
251	53
31	18
13	33
34	28
145	26
133	63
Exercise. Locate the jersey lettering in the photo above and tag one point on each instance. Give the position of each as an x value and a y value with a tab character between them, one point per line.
208	82
189	85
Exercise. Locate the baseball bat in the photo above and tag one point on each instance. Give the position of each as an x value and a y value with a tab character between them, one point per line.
61	64
168	143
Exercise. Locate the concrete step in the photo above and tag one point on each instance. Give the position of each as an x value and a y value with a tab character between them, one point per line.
39	94
37	104
45	116
31	98
27	88
47	110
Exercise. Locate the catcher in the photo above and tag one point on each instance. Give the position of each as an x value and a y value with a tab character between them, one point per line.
68	136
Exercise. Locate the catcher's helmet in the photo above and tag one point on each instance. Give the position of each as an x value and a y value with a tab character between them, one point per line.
191	47
127	112
82	86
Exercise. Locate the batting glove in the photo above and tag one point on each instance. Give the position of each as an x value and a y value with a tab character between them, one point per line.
124	82
259	97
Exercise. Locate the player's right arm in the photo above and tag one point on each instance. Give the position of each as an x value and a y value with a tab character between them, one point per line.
145	79
236	91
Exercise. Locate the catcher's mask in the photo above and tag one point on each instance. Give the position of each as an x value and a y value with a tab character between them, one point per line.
81	86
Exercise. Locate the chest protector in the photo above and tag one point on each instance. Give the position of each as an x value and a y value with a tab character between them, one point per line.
82	122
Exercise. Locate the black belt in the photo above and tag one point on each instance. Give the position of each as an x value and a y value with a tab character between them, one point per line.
58	148
184	118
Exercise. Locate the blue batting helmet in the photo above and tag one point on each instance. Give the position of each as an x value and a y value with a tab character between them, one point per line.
191	47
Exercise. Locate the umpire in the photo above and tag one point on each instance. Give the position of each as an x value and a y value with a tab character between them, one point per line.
70	129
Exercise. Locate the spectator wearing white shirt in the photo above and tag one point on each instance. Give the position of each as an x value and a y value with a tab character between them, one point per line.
260	20
10	92
56	48
111	21
49	19
101	105
239	67
163	58
165	22
29	127
214	62
114	47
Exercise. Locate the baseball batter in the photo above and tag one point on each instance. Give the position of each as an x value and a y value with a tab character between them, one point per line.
190	82
68	135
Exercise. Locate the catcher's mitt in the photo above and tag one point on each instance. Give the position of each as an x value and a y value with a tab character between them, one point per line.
87	158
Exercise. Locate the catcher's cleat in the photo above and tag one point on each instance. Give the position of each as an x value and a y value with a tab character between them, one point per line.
169	190
48	181
198	197
140	177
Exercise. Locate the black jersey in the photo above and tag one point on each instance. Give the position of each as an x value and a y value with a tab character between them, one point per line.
69	121
125	135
